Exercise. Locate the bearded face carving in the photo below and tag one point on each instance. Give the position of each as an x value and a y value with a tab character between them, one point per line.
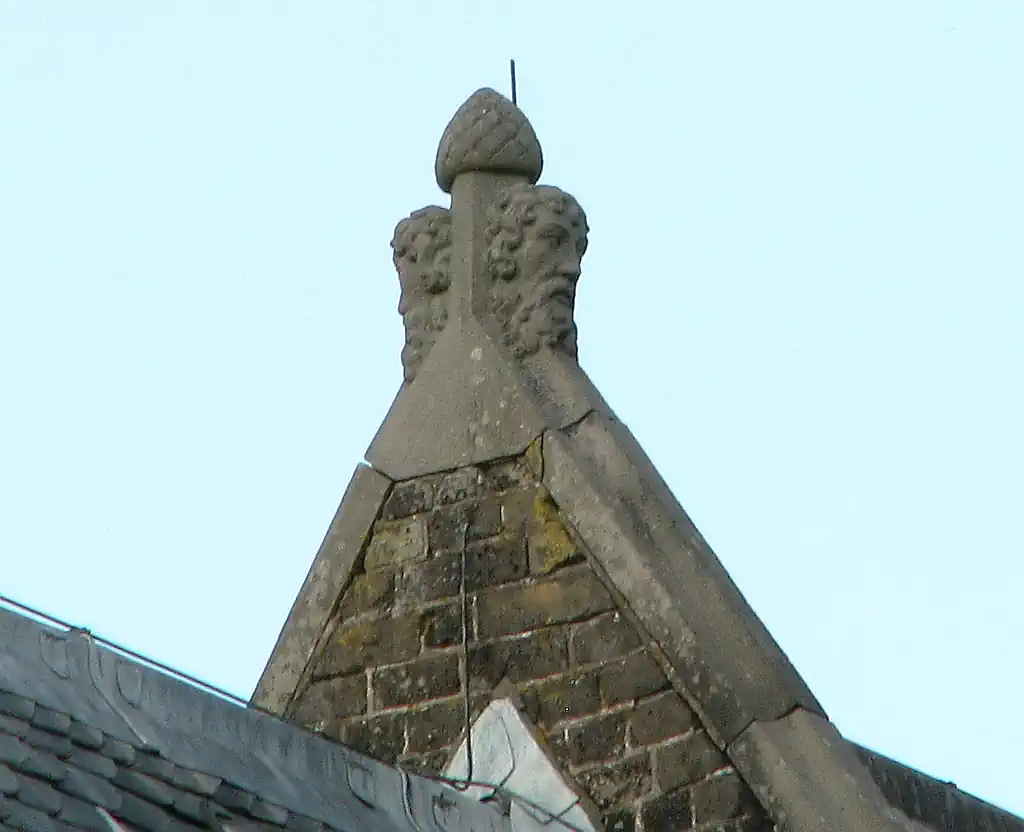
422	256
537	236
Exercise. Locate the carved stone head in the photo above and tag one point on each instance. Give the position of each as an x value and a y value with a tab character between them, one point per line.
422	249
537	235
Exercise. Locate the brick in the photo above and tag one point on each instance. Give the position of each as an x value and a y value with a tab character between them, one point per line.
494	562
396	542
329	699
434	580
687	761
597	739
551	546
606	637
571	595
151	763
369	643
618	784
517	510
368	591
532	657
442	626
416	681
463	484
631	678
381	737
569	696
660	717
507	474
408	498
436	726
428	765
722	798
620	820
477	519
667	812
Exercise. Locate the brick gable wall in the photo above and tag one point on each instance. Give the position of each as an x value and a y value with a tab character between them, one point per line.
392	673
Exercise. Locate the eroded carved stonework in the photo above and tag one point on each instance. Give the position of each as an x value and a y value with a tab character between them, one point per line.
422	248
537	236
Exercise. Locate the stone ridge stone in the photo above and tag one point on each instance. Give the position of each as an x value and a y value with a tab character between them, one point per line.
392	676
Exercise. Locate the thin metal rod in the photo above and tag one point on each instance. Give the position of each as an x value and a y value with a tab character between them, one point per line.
512	71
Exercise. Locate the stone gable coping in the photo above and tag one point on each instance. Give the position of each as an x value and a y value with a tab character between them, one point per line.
323	586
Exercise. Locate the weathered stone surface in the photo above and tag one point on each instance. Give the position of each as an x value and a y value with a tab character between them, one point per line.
659	718
442	625
598	738
488	133
568	696
452	526
571	595
809	778
462	484
327	576
621	783
396	542
410	497
369	643
550	544
687	760
416	681
633	526
382	737
368	591
329	699
722	798
535	656
436	727
631	678
603	638
668	812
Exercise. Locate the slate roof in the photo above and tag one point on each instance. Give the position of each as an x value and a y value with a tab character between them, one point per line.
935	803
86	731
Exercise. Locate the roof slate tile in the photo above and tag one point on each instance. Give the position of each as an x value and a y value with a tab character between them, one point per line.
45	765
144	786
91	789
14	705
39	795
51	720
17	815
85	736
8	782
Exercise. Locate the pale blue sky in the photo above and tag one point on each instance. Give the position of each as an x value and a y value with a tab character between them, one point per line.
803	293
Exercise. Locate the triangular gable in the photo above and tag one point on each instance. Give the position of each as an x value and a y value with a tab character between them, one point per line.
513	532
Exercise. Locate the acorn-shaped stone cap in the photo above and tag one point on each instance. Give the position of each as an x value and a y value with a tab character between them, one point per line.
488	133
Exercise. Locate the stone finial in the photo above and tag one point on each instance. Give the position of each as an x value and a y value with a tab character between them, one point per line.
488	133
